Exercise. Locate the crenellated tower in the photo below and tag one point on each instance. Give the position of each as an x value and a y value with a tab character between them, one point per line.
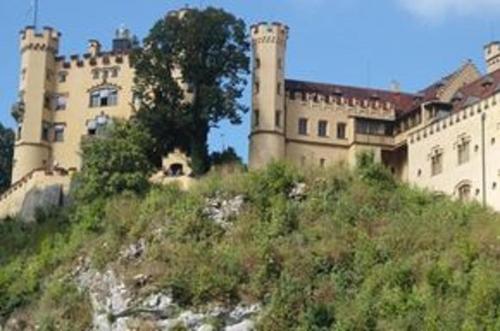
37	85
267	137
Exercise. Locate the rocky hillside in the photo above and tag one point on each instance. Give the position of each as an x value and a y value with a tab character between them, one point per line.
273	250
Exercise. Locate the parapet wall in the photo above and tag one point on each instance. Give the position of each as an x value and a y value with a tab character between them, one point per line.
368	108
13	200
87	60
47	40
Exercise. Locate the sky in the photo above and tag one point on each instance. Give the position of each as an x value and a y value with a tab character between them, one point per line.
355	42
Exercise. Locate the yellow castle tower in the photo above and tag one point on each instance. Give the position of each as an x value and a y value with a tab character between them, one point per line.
38	63
267	137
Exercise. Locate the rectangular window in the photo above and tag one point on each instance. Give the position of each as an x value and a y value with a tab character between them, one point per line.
61	76
104	98
257	63
95	74
114	72
280	63
323	128
60	102
59	132
436	164
278	87
256	87
277	118
46	102
303	126
256	118
45	131
463	152
322	163
19	131
341	131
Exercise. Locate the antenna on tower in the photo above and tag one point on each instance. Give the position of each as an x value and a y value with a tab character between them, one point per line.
33	10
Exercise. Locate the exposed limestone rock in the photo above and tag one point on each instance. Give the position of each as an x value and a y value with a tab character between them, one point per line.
246	325
298	191
117	308
222	211
204	327
134	251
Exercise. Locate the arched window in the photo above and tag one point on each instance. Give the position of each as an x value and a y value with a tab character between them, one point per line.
104	97
464	191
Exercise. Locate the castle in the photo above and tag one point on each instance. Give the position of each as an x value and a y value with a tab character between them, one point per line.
442	138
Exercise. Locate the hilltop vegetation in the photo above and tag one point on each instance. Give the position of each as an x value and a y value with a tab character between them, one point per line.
354	251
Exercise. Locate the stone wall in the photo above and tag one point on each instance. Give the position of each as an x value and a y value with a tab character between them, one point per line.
39	188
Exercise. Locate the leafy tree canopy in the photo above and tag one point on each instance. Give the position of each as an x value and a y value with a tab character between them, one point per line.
114	162
6	153
190	75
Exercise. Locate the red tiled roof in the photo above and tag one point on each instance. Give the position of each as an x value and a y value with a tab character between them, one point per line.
478	90
403	102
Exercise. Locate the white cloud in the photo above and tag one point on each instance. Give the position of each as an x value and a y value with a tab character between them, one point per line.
438	9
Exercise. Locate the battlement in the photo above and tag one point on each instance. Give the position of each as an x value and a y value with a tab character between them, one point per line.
269	28
88	60
47	39
368	108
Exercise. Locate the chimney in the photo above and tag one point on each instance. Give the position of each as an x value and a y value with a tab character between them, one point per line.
94	47
492	56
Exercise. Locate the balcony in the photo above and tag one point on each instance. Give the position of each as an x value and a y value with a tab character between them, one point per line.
369	139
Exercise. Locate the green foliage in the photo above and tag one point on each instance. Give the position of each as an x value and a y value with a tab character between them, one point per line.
63	308
210	48
6	154
358	252
114	163
227	156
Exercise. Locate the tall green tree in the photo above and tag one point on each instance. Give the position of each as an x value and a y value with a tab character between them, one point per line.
6	154
190	75
114	162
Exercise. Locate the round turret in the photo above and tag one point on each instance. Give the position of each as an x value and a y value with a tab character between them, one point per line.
37	84
267	141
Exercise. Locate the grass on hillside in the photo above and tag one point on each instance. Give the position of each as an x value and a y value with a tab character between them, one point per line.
358	252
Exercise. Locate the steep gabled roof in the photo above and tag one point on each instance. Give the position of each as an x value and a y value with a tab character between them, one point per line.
480	89
444	88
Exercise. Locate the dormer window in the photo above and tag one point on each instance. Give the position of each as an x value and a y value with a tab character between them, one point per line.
104	97
488	81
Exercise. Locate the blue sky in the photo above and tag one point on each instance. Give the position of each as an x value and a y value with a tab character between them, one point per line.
358	42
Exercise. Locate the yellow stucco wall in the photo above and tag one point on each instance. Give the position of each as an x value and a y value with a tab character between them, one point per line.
40	85
445	135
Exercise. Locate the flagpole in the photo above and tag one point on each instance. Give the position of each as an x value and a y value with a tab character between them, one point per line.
35	15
